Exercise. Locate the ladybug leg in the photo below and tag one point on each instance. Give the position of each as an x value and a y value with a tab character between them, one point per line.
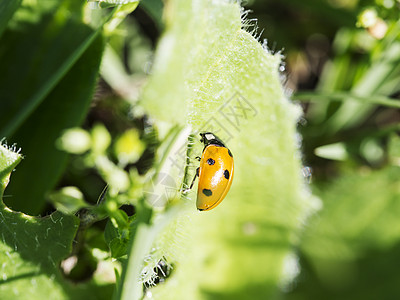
198	158
194	178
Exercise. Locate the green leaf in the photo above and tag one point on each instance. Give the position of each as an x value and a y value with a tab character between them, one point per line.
31	248
220	79
118	238
119	13
8	161
58	44
145	232
154	9
35	53
68	200
7	9
336	151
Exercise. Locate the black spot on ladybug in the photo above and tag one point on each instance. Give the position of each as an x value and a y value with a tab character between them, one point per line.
210	161
230	153
226	174
207	192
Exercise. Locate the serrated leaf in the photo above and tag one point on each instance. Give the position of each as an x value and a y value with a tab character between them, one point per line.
8	161
31	248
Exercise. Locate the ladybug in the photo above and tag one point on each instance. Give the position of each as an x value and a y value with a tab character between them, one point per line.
215	172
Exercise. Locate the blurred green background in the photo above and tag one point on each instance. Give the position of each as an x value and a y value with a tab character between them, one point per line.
340	49
341	64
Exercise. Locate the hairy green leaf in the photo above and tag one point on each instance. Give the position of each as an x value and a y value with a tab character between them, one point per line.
31	250
8	160
212	74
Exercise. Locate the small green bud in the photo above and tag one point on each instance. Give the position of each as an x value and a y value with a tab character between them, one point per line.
129	147
68	200
74	140
367	18
101	138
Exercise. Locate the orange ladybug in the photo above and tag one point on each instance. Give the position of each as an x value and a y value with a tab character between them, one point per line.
215	172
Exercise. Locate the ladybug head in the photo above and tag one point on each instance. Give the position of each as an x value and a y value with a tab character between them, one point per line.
209	138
